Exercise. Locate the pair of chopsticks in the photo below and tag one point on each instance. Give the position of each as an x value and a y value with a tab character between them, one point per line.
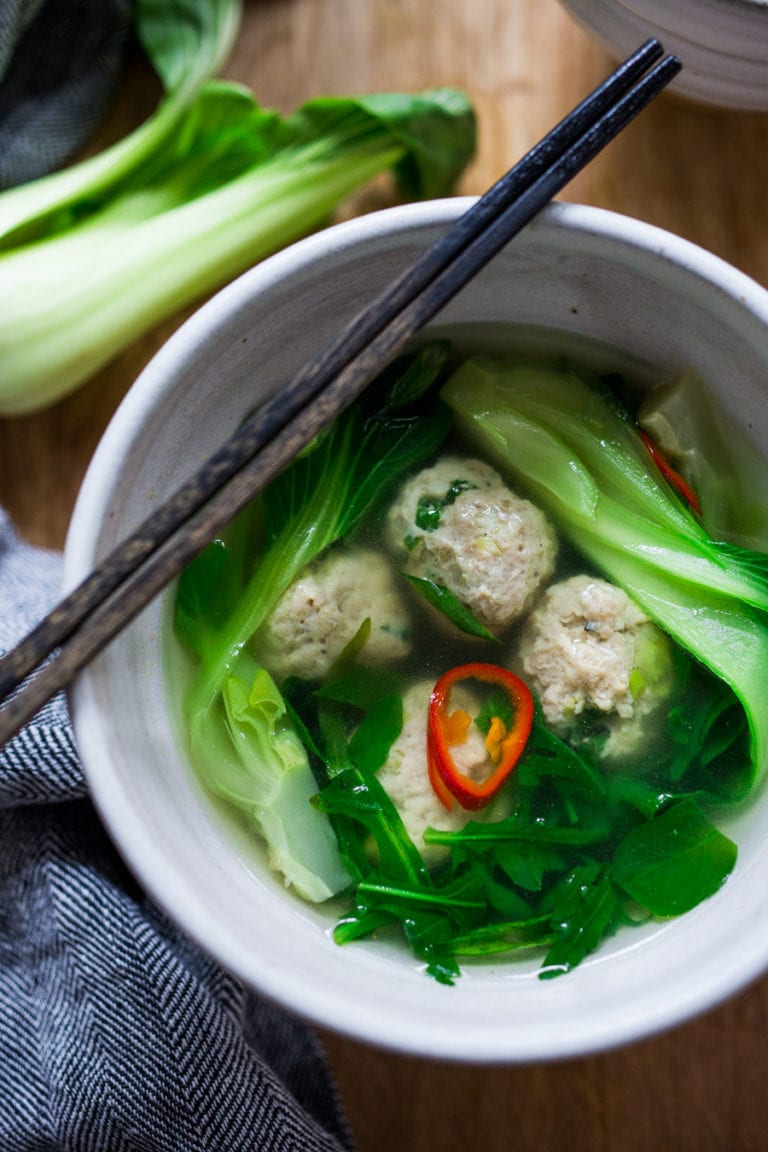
107	600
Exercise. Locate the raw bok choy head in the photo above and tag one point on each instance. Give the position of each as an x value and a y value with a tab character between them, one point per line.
92	257
564	439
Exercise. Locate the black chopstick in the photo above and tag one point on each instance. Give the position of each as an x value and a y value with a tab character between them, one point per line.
96	611
274	415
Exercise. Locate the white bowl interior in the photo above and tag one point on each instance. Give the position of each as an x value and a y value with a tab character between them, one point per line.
581	271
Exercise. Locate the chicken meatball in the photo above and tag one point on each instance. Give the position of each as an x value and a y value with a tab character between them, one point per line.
323	609
405	777
459	525
587	648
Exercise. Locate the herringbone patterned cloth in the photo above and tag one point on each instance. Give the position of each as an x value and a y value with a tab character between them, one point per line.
59	64
116	1033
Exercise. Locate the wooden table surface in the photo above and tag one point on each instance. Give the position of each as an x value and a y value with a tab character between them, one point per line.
701	173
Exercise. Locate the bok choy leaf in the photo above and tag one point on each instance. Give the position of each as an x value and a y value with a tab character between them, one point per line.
257	762
318	500
565	441
242	739
245	748
93	256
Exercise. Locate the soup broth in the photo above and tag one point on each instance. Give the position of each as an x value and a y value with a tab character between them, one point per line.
348	755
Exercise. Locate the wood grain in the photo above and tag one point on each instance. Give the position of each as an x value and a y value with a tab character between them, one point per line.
701	173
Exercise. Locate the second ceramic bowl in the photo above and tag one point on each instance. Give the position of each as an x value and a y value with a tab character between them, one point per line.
723	44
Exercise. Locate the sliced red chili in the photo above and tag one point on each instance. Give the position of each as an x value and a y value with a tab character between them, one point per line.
671	474
444	795
505	745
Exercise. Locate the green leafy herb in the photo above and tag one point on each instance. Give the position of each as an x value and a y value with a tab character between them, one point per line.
376	733
584	909
504	898
707	730
547	756
428	513
429	509
495	703
450	606
408	379
506	831
360	797
359	686
419	895
526	865
567	851
674	861
347	657
504	937
333	742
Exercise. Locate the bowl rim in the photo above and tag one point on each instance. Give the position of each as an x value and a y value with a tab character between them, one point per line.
91	512
720	43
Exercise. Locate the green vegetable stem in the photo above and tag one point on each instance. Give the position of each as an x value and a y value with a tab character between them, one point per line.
238	722
565	440
567	851
92	257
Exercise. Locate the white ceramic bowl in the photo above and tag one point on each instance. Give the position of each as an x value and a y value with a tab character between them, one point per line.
581	271
723	44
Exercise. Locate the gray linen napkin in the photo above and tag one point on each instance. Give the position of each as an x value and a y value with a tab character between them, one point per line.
116	1033
59	63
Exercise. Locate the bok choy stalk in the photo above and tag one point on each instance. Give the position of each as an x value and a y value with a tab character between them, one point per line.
240	739
246	751
94	256
564	438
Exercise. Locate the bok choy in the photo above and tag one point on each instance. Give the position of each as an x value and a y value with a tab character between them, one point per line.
565	439
241	740
92	257
572	852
